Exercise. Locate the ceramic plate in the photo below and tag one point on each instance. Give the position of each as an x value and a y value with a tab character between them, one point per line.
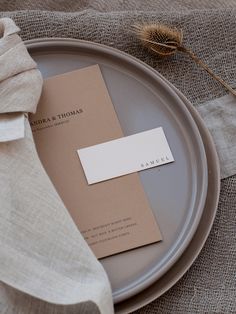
177	192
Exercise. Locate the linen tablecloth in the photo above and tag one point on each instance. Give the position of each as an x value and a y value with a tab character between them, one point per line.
210	30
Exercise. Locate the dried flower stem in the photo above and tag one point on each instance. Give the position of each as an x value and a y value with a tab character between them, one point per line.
205	67
164	41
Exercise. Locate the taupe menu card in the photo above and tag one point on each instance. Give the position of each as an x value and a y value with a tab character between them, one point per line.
75	111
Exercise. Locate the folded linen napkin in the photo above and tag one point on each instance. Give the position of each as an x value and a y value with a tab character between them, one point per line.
42	252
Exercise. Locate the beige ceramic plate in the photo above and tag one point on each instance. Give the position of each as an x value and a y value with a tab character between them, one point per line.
144	100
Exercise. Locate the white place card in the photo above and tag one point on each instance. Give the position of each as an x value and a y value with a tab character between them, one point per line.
12	126
125	155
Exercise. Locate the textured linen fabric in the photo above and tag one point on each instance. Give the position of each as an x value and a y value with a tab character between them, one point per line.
42	252
220	117
115	5
209	27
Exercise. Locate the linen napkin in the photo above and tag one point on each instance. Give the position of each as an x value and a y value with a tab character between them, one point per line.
42	252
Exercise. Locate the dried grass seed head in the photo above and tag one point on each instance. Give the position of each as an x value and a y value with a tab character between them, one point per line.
159	38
